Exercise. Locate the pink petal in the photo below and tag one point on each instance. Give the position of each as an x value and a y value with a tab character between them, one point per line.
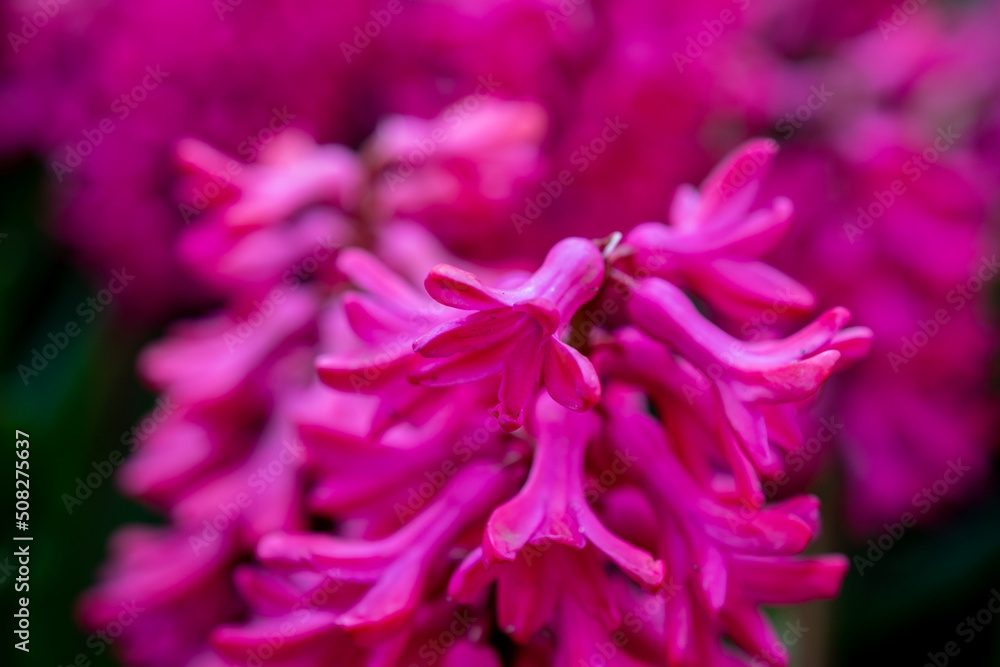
371	275
459	368
728	191
790	581
460	289
470	333
745	289
569	377
853	343
637	563
521	374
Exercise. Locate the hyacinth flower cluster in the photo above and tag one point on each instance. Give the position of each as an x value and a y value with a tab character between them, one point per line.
383	454
854	91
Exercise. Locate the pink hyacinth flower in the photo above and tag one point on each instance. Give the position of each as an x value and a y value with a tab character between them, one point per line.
515	332
714	238
747	376
552	505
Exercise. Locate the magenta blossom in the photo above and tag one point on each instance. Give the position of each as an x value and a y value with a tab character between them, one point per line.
515	332
385	498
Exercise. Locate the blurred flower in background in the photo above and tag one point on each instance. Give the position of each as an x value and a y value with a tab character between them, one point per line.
351	198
